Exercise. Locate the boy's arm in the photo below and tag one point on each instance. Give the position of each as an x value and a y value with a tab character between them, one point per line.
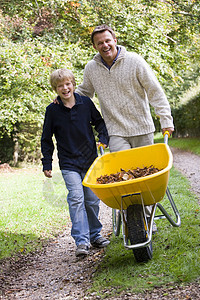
47	146
99	125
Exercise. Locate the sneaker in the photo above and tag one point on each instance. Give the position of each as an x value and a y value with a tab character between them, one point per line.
82	250
100	243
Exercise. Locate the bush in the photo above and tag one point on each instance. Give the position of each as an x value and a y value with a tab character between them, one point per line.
187	118
25	90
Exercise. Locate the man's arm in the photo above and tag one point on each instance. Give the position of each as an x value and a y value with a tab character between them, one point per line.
86	88
155	94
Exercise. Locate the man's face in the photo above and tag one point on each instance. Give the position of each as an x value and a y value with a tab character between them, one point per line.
106	45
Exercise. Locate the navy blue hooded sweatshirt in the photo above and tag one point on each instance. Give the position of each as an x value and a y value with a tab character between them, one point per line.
72	128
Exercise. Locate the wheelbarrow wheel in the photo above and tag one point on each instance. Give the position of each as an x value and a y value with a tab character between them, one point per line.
137	233
116	219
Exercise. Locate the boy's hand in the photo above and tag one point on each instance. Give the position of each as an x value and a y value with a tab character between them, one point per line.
47	173
101	144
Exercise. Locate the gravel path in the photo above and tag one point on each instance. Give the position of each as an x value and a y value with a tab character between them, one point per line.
55	273
189	165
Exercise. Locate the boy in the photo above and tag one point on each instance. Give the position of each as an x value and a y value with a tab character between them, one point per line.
71	123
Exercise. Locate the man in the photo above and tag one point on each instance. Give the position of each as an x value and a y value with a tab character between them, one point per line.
125	85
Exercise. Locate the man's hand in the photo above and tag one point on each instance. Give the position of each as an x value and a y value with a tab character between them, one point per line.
55	101
47	173
169	129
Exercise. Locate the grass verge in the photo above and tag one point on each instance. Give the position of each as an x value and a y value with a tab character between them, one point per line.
187	144
176	251
32	209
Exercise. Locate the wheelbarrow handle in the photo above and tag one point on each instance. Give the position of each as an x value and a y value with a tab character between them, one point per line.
166	135
101	149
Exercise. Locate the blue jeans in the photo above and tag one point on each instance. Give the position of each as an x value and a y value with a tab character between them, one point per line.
83	209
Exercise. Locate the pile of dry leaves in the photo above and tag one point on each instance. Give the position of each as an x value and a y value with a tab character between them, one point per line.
127	175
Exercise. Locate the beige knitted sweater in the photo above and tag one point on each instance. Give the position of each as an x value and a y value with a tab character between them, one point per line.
124	93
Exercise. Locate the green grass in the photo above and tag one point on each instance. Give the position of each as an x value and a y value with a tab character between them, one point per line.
176	251
187	144
32	210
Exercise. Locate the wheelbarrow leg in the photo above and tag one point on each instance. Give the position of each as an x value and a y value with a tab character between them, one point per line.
176	223
135	229
116	220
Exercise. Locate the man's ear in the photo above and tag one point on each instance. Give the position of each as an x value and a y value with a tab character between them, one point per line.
94	46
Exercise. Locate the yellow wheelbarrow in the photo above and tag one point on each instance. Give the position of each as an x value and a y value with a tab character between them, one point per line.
129	198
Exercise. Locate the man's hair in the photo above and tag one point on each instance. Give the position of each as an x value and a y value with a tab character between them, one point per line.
102	28
60	75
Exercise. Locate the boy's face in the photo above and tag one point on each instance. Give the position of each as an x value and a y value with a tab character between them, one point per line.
65	90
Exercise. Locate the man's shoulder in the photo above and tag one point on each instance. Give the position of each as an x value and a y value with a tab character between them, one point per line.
95	60
133	55
91	63
135	59
129	57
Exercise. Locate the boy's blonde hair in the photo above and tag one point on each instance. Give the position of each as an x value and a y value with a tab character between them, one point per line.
60	75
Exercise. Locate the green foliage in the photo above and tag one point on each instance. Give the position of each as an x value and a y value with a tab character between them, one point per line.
187	118
23	83
187	144
38	36
14	28
25	90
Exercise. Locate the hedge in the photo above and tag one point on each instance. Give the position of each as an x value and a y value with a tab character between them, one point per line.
187	118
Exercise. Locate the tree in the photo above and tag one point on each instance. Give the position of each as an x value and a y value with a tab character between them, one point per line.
37	36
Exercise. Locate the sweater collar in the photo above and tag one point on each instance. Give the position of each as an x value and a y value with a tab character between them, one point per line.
120	55
105	64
